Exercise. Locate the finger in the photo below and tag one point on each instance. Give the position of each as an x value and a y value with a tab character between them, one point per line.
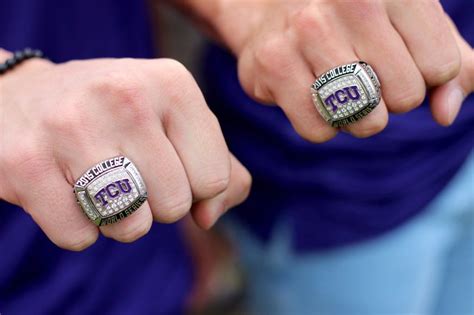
52	205
169	193
424	29
333	50
207	212
195	133
446	100
286	79
133	226
371	124
402	84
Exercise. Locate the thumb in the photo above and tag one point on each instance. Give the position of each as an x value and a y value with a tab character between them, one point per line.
446	100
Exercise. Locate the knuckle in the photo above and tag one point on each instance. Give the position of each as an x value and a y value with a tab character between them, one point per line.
319	135
309	25
175	67
245	183
367	130
177	74
132	233
439	74
174	208
115	83
274	57
250	81
77	244
407	100
136	112
213	184
305	23
326	35
122	94
179	86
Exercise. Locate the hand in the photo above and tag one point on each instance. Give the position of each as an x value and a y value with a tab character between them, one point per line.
59	120
282	45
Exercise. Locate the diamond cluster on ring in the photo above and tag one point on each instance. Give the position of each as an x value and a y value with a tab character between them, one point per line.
110	190
106	204
346	93
352	106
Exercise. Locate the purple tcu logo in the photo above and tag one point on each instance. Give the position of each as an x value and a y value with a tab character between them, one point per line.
342	96
113	190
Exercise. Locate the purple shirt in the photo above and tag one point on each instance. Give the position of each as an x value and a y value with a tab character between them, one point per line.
348	189
150	276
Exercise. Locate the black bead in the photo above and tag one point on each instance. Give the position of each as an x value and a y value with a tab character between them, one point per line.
19	55
28	52
37	53
3	68
10	63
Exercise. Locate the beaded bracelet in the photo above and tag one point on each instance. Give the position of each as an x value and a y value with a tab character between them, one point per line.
18	57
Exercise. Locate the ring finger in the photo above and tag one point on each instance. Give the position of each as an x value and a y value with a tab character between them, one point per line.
333	50
133	226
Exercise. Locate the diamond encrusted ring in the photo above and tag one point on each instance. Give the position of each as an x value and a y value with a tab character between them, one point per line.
110	190
346	93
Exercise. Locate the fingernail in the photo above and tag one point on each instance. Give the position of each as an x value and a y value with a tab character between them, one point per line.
455	99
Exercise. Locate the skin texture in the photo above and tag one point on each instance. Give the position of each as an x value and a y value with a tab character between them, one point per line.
283	45
58	120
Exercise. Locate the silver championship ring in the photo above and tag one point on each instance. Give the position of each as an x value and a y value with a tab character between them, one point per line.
110	191
346	93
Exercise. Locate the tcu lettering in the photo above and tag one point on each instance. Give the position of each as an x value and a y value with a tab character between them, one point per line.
342	96
113	190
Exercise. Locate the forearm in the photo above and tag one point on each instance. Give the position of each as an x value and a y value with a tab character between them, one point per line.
202	13
229	21
19	58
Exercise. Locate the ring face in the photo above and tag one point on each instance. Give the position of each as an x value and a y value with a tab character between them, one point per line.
346	93
110	190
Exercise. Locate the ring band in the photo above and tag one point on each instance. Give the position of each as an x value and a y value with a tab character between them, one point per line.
347	93
110	190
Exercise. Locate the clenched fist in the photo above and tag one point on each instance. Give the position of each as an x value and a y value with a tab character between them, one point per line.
282	46
56	121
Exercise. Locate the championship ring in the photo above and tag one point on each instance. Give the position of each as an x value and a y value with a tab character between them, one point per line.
346	93
110	190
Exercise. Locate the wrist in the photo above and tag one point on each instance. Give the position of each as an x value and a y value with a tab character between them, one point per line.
230	21
235	21
27	65
20	59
